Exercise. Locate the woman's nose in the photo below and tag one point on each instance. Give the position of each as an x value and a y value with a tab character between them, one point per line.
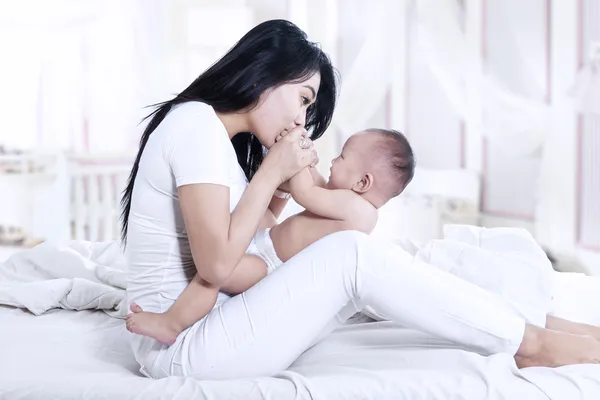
301	118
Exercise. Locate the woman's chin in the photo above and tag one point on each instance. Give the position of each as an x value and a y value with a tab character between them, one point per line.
268	143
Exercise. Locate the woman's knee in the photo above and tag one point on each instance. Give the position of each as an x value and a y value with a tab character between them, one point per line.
342	249
346	247
348	238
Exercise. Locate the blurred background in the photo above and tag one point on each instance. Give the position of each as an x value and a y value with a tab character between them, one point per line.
500	99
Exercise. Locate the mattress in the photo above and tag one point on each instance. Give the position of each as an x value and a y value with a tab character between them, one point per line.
65	354
62	336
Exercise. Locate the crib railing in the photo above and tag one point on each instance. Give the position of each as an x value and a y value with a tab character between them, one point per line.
96	186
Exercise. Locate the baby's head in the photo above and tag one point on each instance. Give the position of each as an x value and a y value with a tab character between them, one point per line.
378	164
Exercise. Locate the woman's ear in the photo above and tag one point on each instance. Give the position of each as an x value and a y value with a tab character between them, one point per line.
364	184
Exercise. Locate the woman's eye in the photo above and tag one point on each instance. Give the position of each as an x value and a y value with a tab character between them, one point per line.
305	100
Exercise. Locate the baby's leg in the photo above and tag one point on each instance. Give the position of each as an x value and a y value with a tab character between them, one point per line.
194	303
248	273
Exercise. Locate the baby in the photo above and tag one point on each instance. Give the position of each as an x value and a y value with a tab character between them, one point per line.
374	166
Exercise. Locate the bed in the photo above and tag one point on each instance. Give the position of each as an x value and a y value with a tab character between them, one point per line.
84	355
62	337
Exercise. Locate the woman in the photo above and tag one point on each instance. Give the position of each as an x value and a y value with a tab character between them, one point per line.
199	190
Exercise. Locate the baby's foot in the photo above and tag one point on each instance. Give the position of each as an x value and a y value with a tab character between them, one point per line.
154	325
555	349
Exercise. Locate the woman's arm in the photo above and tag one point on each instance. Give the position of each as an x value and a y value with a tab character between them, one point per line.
278	203
218	239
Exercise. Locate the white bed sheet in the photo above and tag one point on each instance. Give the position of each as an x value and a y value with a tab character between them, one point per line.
50	353
67	355
84	355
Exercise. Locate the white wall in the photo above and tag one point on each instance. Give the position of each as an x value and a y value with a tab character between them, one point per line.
531	47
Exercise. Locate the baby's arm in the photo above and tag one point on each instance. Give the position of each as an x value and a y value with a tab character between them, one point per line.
278	204
317	177
339	204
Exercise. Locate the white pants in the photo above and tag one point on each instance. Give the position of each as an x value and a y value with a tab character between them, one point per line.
264	330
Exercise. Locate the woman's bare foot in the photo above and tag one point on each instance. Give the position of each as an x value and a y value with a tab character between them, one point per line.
564	325
154	325
547	348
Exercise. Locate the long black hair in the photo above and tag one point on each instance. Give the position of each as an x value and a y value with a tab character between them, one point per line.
271	54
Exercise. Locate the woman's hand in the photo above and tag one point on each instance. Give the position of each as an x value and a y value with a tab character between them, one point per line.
304	136
290	154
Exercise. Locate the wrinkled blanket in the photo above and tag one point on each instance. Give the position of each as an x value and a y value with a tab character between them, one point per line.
83	275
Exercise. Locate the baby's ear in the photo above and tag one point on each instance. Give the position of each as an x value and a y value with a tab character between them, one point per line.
364	184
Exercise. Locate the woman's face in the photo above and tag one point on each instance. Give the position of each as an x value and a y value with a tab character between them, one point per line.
283	108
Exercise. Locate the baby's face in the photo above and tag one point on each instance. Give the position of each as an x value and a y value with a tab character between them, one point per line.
350	166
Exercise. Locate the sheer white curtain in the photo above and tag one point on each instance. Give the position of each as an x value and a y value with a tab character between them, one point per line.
519	121
125	57
76	74
515	120
366	82
586	90
40	75
516	111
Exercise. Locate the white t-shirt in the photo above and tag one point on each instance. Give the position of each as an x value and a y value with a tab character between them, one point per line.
189	146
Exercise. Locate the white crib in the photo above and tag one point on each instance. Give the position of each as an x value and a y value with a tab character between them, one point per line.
65	197
79	199
95	185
